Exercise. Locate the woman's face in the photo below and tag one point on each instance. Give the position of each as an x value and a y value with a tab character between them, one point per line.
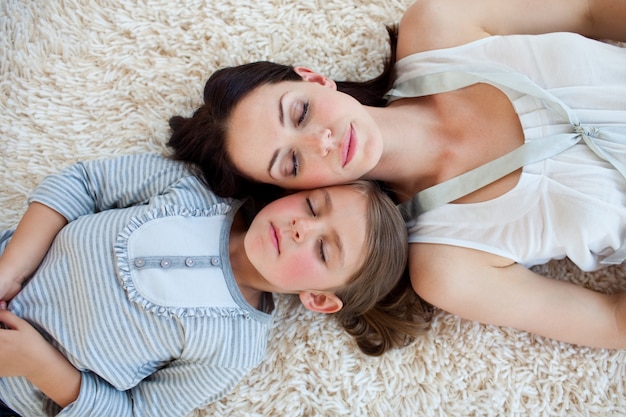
303	135
309	241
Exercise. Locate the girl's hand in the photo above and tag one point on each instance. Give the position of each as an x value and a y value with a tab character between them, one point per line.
9	286
24	352
21	346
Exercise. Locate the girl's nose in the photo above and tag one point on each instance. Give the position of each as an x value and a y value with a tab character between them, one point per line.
301	227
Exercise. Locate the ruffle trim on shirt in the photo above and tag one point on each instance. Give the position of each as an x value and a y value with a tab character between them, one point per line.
125	273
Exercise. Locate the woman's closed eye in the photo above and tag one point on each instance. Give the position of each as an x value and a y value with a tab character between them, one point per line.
303	114
295	164
295	160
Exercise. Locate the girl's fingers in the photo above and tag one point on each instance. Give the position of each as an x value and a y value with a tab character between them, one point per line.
9	320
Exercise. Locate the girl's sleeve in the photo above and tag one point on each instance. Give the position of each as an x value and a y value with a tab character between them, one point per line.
172	391
93	186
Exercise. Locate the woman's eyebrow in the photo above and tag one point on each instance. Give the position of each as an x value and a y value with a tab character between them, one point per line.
281	115
281	118
272	162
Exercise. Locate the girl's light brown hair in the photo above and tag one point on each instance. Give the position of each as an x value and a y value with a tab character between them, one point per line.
381	310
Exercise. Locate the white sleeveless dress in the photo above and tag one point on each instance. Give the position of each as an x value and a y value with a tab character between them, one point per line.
570	95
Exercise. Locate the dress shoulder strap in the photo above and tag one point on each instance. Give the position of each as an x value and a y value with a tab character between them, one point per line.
477	178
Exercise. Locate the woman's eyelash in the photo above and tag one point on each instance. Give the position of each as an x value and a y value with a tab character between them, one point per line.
305	111
295	164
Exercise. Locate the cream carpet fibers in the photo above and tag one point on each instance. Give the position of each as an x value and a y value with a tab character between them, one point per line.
82	79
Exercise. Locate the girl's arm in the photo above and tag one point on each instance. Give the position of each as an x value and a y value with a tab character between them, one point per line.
173	390
27	247
81	189
24	352
436	24
490	289
103	184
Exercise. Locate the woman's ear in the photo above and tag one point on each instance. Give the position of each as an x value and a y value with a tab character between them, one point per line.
312	76
321	302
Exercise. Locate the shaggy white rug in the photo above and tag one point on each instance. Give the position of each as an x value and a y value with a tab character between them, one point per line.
82	79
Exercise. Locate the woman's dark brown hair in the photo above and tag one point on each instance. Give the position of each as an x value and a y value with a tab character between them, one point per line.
381	309
201	139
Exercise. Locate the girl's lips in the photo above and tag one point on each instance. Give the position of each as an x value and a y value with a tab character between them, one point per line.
275	236
348	147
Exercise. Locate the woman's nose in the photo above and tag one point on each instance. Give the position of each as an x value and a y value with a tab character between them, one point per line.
321	142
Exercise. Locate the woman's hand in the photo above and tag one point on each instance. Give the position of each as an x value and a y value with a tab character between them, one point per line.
620	312
24	352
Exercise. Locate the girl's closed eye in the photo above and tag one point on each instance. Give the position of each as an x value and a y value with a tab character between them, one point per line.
322	251
310	206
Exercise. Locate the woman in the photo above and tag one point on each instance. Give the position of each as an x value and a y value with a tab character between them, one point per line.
159	292
465	90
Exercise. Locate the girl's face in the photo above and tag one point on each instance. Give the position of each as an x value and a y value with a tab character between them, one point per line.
303	135
309	241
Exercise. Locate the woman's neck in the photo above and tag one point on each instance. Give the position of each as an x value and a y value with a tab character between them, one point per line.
428	140
413	154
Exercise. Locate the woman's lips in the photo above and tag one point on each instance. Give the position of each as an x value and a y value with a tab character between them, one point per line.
275	236
348	147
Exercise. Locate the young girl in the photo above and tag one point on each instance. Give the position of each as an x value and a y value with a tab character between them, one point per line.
159	292
462	89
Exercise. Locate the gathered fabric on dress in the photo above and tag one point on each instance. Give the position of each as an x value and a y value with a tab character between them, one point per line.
138	292
570	95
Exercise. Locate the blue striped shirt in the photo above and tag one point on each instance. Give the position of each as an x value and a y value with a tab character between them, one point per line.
138	293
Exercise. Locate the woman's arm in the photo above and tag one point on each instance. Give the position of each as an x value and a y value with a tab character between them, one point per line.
27	247
436	24
598	19
24	352
490	289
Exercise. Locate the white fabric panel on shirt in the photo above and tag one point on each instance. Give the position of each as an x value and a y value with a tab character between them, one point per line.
176	271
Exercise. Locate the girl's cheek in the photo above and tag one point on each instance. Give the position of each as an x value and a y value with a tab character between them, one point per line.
299	268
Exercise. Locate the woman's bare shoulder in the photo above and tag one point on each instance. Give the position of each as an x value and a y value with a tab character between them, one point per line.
437	24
